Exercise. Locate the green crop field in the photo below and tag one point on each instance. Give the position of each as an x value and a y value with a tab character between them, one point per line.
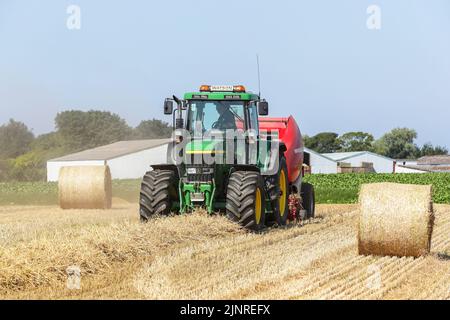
46	193
343	188
330	188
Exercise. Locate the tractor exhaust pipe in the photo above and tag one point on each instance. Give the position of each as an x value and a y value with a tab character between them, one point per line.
179	123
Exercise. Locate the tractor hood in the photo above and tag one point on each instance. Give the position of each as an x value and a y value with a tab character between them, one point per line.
204	146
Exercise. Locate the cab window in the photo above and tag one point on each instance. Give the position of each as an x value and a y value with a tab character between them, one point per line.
253	117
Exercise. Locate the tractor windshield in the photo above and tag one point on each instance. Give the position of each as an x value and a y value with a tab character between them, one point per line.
207	115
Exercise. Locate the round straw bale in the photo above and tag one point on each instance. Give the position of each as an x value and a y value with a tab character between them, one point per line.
85	187
395	219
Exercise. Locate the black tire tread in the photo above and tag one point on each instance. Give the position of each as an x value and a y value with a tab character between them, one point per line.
273	189
240	202
155	193
308	197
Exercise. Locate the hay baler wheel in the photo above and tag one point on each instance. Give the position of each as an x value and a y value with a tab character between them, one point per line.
158	190
309	199
245	201
278	190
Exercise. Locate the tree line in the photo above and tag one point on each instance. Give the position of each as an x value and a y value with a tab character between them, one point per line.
399	143
23	156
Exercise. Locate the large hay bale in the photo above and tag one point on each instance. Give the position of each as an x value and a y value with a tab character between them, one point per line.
395	219
85	187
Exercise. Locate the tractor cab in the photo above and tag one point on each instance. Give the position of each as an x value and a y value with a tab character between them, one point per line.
214	107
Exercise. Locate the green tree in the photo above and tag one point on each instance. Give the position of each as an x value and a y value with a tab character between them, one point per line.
48	141
323	142
398	144
5	169
15	139
28	167
82	130
51	145
153	129
429	150
31	166
356	141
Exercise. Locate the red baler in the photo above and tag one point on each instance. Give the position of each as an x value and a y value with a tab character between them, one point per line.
289	133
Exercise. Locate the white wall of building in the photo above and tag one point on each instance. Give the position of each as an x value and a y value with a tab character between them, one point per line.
54	166
380	163
407	162
320	164
401	169
135	165
131	166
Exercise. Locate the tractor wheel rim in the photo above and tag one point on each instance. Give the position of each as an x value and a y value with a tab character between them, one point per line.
258	206
283	193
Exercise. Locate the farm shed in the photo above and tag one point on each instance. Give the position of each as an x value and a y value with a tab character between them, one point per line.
423	165
381	164
406	162
442	160
400	168
435	163
126	159
319	163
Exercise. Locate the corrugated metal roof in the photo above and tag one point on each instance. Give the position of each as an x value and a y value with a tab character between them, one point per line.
113	150
428	168
430	160
318	154
340	156
414	167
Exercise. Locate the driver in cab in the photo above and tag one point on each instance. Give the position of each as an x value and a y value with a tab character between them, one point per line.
226	118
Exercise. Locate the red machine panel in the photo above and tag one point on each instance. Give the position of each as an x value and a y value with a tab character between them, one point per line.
290	134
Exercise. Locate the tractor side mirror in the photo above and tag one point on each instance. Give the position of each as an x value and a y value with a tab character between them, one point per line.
263	108
168	106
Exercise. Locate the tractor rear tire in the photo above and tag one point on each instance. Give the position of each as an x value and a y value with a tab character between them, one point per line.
245	202
278	189
158	190
309	199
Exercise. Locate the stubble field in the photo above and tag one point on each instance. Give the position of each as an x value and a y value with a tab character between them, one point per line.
199	257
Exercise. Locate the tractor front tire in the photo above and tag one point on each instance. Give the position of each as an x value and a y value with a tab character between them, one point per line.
245	202
158	190
309	199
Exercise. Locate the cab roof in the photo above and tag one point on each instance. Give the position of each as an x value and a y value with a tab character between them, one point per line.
248	96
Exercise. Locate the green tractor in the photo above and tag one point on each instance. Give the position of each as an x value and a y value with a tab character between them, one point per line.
225	157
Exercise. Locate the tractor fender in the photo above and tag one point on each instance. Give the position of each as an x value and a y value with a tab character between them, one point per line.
244	167
241	167
282	148
171	167
296	185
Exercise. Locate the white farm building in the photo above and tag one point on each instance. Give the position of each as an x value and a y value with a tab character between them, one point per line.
339	161
380	164
126	159
319	163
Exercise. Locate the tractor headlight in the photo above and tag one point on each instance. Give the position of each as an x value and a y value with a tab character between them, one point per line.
191	170
208	170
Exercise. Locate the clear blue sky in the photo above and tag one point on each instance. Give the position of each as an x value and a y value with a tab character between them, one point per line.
319	61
